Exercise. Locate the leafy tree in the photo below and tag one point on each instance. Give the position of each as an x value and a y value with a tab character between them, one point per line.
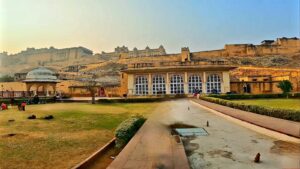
91	86
286	86
6	78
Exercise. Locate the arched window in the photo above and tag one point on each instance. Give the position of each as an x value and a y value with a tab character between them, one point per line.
213	84
158	85
141	85
176	84
195	84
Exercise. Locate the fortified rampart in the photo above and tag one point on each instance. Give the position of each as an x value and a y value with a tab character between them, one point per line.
35	57
267	47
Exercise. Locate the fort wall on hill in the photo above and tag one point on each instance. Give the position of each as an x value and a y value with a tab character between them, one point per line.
43	56
281	46
75	56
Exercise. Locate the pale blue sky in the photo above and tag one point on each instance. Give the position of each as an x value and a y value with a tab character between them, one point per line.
101	25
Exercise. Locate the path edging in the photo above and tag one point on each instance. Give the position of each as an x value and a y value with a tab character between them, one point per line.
92	157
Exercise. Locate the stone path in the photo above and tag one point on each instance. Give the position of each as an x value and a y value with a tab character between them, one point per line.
152	147
291	128
228	145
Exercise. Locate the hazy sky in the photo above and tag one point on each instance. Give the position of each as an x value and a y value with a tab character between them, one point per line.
101	25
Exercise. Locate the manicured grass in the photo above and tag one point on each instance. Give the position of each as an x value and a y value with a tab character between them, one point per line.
76	131
273	103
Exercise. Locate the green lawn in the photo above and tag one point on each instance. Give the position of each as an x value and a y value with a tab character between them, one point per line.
76	131
274	103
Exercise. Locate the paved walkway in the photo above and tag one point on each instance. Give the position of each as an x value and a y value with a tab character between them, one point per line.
152	147
228	145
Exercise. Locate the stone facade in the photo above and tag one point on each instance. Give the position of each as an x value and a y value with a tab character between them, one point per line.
172	78
257	80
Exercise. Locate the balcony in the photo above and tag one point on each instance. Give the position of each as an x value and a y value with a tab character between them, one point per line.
176	64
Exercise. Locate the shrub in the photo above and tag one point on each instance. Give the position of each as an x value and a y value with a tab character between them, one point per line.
287	114
252	96
127	129
142	100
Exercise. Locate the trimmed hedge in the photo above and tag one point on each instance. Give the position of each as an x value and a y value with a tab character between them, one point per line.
127	129
287	114
131	100
23	99
141	100
252	96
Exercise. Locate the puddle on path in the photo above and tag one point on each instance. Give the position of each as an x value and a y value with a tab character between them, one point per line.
222	153
282	147
188	146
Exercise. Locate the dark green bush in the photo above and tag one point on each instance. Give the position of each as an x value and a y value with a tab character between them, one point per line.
142	100
127	129
131	100
287	114
20	100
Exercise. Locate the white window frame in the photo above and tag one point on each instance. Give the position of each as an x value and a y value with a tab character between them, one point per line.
158	85
195	82
141	85
213	82
176	84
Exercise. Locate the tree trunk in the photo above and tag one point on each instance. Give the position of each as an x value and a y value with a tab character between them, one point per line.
93	98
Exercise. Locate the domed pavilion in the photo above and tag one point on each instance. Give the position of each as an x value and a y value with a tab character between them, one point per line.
41	81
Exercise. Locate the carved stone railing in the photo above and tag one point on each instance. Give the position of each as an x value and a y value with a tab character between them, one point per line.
170	64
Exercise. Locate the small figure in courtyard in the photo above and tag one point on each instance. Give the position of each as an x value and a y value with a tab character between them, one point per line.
207	123
36	99
19	107
12	101
49	117
31	117
4	106
23	104
196	91
257	158
188	108
214	91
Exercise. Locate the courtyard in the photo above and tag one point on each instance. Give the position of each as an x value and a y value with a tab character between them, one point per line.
229	144
76	131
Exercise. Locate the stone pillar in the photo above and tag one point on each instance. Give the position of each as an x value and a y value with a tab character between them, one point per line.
28	86
54	88
150	92
225	85
130	83
204	83
167	84
45	89
185	85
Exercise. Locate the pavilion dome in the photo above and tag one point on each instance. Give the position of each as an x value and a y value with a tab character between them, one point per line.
41	74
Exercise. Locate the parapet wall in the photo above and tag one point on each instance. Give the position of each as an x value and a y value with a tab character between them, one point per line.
279	47
164	58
